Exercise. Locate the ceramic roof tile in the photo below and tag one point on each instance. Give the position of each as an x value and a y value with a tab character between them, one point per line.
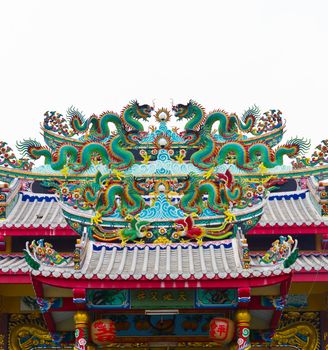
290	208
218	259
138	262
287	208
35	210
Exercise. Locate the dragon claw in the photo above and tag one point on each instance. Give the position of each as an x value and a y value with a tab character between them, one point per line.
97	218
208	173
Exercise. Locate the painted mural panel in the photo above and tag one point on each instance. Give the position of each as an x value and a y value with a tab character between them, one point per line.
161	299
216	298
109	298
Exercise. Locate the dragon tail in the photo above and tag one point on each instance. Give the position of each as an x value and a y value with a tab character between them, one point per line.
76	120
299	146
89	192
253	111
33	149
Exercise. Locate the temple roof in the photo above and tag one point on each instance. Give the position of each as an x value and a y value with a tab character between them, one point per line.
282	208
191	260
187	260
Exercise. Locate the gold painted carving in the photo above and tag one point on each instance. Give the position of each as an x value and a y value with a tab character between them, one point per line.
302	334
28	336
299	329
27	331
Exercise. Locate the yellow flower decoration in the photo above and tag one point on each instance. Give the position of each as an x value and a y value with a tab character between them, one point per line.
65	171
162	240
181	156
145	158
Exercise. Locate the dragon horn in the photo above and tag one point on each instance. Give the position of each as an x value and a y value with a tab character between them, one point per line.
154	103
171	99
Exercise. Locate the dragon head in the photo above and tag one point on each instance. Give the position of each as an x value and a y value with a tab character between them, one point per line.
182	111
133	137
141	111
190	137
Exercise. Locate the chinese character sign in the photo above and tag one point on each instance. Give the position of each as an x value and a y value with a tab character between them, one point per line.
166	298
103	332
221	330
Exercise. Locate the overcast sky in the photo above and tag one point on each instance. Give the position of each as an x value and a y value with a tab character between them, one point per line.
97	55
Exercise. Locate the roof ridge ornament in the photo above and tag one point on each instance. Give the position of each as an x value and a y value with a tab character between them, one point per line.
126	184
283	251
40	253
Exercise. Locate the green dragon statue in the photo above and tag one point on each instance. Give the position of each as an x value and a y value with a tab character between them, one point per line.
229	125
80	158
268	128
102	195
248	156
107	148
96	128
220	194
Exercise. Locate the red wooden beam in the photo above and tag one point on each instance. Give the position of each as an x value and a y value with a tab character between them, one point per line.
14	277
38	289
39	231
304	276
107	283
288	230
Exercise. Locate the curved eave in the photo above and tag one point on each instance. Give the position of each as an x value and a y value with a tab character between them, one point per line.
24	277
107	283
314	268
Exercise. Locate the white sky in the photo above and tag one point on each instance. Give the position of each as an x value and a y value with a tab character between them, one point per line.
97	55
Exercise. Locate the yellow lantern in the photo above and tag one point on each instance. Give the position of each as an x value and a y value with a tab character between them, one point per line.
103	332
222	330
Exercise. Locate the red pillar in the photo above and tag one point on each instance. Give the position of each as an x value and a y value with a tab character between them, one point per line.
243	318
81	319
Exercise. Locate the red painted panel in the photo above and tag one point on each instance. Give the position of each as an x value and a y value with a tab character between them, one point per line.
288	230
156	283
40	231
